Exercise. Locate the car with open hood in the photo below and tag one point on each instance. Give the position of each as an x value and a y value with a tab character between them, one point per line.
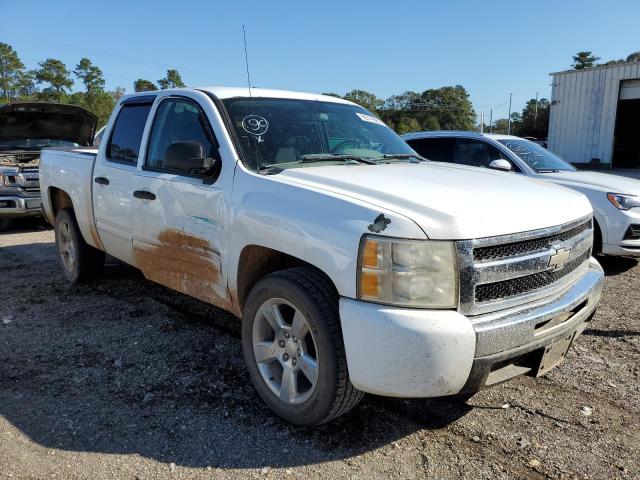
615	199
25	129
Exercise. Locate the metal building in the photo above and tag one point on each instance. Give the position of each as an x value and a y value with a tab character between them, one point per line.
595	116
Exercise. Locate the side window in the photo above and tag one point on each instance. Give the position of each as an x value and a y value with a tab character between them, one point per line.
126	138
436	149
181	138
475	153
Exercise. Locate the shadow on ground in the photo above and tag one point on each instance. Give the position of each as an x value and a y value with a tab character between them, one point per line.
617	265
125	366
26	225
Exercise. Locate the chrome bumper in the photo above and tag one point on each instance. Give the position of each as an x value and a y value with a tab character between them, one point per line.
13	206
508	342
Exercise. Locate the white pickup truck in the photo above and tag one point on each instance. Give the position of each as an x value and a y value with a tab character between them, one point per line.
355	265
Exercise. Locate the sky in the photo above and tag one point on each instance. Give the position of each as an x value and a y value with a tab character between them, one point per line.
385	47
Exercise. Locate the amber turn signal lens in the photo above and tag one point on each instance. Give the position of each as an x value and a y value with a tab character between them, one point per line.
370	254
369	284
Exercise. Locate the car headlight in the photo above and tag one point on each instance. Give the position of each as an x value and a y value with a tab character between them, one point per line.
623	201
7	176
407	273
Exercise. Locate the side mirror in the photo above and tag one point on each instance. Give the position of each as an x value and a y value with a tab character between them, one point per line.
501	164
190	156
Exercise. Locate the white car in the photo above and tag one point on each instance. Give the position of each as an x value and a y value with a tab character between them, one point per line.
615	199
355	265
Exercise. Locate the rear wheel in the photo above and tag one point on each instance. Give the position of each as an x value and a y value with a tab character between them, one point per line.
294	349
79	260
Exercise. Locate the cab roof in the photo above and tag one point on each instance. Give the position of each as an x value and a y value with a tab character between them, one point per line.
232	92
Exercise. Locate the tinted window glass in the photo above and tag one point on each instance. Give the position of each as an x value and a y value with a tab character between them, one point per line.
436	149
180	138
475	153
127	133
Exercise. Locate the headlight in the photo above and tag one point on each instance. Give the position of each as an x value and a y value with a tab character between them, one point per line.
407	273
622	201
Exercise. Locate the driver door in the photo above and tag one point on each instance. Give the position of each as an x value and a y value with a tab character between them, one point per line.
179	224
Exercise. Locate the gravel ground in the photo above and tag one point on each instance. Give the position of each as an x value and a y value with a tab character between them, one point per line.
126	379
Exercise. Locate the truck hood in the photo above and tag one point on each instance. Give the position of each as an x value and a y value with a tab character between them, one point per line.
20	121
450	202
600	181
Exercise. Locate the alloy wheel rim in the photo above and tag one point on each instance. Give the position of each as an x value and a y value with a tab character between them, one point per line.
66	246
285	351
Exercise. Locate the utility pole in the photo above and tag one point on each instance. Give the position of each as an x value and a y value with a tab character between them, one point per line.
535	115
481	122
509	128
491	121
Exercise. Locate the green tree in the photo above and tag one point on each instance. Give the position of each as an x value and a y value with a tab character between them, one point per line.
172	80
535	123
90	75
54	73
634	57
142	85
582	60
11	72
450	106
501	126
332	95
365	99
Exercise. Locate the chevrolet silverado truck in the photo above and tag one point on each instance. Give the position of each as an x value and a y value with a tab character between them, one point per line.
25	128
354	264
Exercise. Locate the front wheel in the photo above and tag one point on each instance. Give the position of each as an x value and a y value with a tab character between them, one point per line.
79	260
294	349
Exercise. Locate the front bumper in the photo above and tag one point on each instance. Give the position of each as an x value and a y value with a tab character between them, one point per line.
404	352
615	228
14	206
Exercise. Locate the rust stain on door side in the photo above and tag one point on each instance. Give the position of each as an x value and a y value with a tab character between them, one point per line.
184	263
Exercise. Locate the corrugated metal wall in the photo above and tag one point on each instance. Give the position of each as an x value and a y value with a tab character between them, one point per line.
583	111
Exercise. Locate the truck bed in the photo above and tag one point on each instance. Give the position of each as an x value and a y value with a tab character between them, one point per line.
70	170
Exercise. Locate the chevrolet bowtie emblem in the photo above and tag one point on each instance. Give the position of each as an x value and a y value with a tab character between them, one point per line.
558	259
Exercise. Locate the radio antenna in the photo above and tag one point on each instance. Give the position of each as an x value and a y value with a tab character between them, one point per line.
246	58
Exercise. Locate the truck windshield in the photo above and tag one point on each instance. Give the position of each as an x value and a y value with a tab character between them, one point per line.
536	156
282	133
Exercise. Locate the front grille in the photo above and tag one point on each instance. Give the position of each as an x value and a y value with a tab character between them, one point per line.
511	270
633	233
513	249
527	284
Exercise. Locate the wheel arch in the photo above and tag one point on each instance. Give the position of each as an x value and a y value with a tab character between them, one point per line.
256	262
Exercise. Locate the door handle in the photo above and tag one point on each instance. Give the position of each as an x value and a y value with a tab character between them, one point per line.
102	180
144	195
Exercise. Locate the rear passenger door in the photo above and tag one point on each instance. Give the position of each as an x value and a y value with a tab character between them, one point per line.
113	176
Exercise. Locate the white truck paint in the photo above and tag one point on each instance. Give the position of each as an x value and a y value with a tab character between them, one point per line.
618	228
215	237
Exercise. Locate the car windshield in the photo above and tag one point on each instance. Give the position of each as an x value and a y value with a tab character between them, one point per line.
33	143
283	133
536	156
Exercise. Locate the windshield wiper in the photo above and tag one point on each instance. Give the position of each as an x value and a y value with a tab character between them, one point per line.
324	157
408	156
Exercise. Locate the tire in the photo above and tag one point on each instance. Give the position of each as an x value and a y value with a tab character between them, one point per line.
5	223
298	293
597	239
80	261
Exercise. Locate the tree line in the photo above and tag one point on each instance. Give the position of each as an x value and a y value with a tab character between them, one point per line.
52	81
587	59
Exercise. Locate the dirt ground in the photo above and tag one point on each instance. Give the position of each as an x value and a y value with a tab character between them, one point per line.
126	379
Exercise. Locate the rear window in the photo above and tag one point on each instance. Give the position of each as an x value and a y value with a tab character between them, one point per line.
126	138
